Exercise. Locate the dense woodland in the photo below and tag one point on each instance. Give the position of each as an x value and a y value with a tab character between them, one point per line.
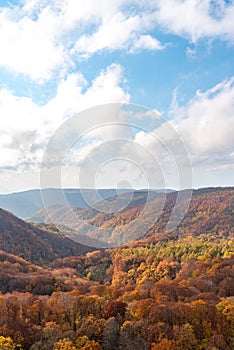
174	294
162	292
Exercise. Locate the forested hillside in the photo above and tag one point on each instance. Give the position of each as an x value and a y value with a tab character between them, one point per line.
162	292
171	295
210	211
34	244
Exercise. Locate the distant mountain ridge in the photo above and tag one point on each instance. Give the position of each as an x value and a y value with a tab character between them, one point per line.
211	210
27	203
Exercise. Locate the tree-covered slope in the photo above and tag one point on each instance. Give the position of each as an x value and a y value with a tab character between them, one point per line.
33	244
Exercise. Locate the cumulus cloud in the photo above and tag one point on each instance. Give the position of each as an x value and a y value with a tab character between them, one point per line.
30	46
39	38
206	123
119	32
195	19
203	128
146	42
26	126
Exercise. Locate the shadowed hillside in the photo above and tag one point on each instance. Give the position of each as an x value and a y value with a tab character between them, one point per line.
33	244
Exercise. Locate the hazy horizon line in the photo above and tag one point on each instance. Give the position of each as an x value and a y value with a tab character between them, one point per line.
113	188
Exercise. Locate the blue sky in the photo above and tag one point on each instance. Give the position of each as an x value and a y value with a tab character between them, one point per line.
60	57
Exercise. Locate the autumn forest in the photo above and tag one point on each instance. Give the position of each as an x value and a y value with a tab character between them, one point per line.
159	292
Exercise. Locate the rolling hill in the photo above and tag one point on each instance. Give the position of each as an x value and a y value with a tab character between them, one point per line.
34	244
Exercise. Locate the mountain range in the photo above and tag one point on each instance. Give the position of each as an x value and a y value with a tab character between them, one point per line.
111	223
27	203
75	231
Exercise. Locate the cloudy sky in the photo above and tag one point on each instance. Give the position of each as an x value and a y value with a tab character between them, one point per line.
60	57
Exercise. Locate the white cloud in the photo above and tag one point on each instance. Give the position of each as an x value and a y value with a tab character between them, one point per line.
106	87
146	42
41	37
29	46
26	126
112	34
206	123
119	32
195	19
